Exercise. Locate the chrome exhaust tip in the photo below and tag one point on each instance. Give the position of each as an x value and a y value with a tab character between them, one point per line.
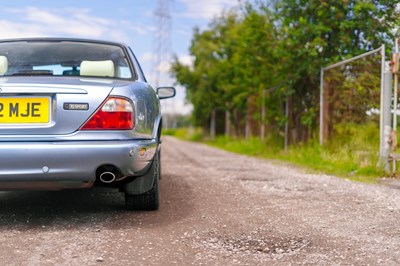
107	177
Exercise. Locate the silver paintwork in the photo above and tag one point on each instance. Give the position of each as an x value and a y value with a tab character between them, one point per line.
72	160
58	155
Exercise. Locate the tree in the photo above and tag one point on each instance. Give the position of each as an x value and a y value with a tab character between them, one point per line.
233	64
256	65
316	33
279	50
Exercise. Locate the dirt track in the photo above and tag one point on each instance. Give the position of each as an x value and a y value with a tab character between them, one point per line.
217	209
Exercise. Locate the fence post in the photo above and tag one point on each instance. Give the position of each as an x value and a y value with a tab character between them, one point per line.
287	123
227	123
324	110
395	71
321	108
262	129
385	125
213	124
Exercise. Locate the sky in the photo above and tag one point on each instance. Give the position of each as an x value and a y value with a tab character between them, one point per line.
129	21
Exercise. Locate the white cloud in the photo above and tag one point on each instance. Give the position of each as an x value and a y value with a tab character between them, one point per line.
60	21
63	22
139	28
19	30
178	104
206	9
147	57
176	107
186	60
164	67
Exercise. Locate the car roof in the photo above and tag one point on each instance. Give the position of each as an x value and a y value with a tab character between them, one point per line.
53	39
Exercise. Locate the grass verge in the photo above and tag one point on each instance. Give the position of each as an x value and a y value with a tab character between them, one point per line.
353	157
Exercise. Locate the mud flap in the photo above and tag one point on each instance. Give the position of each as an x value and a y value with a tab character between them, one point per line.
143	183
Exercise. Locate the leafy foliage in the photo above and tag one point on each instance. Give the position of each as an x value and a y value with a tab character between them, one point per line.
279	48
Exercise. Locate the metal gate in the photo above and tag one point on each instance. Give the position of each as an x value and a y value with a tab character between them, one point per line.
388	102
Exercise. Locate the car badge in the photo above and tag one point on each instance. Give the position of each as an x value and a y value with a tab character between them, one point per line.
76	106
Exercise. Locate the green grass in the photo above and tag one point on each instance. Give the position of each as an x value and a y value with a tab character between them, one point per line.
352	155
190	134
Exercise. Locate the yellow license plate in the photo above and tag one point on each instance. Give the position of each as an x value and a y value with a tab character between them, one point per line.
24	110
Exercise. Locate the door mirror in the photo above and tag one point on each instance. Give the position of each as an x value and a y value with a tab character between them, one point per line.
166	92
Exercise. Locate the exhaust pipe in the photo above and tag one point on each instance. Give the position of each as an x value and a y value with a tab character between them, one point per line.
107	177
108	173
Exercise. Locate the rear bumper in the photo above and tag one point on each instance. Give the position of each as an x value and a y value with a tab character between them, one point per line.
71	161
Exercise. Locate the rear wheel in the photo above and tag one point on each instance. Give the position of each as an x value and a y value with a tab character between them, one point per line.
150	200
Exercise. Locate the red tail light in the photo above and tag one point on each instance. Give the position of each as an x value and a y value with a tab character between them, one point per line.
115	114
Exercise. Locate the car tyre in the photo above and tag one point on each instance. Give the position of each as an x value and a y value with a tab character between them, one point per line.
150	200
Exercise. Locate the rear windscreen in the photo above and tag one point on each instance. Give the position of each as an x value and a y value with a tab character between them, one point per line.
64	58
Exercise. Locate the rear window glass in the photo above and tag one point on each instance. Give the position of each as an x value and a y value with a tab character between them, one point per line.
64	58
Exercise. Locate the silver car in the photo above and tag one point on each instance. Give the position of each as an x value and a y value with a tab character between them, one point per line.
76	114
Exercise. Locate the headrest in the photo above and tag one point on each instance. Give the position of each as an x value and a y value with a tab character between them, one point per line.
97	68
3	64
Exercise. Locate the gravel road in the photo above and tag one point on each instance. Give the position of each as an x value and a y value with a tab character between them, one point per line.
217	208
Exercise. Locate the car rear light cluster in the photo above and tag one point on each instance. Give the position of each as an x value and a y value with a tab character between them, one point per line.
115	114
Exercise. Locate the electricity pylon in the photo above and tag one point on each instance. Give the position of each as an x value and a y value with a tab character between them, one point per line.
162	41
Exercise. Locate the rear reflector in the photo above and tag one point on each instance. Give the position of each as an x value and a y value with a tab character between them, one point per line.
115	114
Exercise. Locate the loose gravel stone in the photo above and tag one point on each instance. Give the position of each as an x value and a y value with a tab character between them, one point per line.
217	208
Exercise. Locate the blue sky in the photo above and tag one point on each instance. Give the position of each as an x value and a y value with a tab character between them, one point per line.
129	21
